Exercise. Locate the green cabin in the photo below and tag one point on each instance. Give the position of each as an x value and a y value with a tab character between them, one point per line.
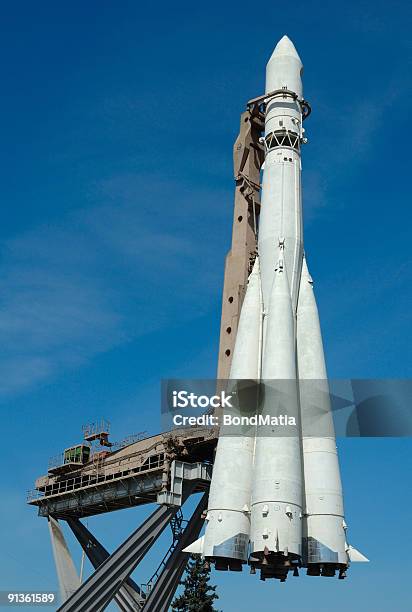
77	454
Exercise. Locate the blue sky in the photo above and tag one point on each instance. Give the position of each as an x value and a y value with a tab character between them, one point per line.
118	121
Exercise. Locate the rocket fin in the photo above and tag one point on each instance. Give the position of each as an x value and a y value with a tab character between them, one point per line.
355	556
195	548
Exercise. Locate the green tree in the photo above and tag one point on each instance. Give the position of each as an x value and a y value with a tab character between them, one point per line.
198	595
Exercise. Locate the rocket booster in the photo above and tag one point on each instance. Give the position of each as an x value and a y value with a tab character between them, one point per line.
276	499
227	535
324	528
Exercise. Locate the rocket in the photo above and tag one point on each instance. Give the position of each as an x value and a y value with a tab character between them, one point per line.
276	499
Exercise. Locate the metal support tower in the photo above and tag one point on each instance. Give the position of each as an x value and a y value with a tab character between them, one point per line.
67	575
168	581
129	596
248	156
111	578
99	589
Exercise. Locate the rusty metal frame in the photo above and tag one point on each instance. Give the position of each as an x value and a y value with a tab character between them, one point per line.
248	157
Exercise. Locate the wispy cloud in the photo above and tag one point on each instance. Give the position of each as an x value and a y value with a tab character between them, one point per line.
103	275
53	311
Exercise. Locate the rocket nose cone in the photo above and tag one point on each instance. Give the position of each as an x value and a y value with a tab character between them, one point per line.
284	69
285	47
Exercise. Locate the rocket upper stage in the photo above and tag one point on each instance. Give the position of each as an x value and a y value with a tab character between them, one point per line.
281	211
284	69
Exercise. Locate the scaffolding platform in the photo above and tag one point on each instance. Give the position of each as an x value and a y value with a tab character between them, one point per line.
131	476
98	431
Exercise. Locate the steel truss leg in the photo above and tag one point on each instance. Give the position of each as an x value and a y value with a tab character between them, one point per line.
129	597
99	589
69	581
168	581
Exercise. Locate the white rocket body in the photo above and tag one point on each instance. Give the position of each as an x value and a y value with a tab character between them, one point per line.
279	494
281	211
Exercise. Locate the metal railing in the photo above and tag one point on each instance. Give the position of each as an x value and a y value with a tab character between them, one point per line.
83	481
95	428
